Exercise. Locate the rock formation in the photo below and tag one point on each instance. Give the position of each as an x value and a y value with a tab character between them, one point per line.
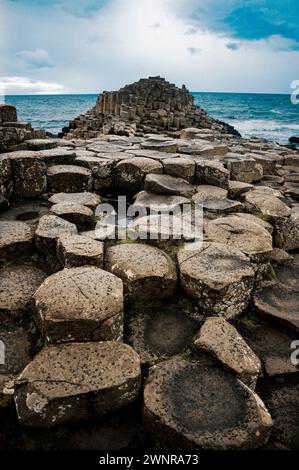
12	132
151	105
85	303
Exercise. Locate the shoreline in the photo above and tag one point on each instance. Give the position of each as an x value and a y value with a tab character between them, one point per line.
268	127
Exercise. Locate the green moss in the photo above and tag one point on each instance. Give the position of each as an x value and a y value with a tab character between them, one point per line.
270	273
264	217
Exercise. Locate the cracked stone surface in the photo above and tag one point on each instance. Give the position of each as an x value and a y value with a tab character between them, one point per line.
57	156
237	189
6	183
214	199
219	277
286	234
223	341
180	409
79	381
266	204
146	271
80	304
41	144
248	236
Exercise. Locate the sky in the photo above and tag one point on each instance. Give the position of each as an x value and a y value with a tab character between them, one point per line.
87	46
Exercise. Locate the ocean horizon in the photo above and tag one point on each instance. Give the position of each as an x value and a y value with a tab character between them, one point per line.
262	115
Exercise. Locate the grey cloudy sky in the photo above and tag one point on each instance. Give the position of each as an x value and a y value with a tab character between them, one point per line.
86	46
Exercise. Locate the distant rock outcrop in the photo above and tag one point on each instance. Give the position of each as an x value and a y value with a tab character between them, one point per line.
12	132
150	105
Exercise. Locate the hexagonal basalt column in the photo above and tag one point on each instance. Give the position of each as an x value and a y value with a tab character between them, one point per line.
80	304
77	381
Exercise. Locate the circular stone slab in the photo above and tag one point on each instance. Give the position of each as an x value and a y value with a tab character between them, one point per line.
17	287
220	278
15	238
80	304
191	406
145	270
77	381
147	334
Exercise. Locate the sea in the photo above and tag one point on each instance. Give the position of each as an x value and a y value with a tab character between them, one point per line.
268	116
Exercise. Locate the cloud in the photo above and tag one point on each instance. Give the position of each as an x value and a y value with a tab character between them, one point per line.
233	46
15	85
251	20
193	50
117	45
37	58
80	8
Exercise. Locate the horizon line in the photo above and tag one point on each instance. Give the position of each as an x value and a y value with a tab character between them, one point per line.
192	92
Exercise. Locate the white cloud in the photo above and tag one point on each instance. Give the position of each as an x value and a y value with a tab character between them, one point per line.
16	85
37	58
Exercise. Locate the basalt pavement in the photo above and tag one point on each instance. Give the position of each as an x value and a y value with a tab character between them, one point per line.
116	343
